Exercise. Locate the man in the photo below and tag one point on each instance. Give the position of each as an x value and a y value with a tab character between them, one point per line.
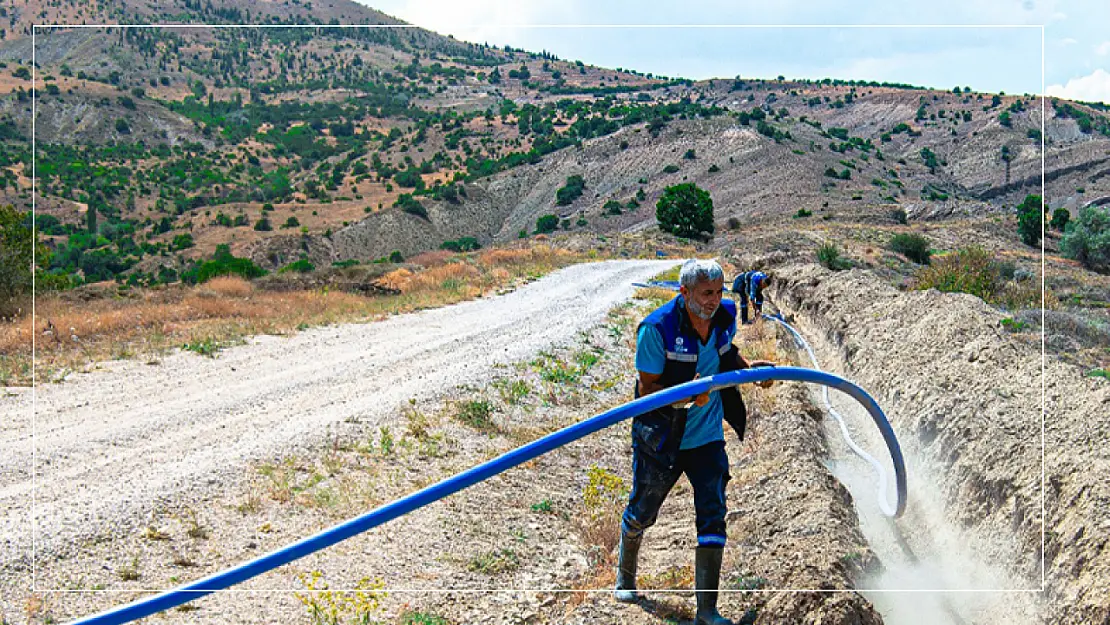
688	337
749	285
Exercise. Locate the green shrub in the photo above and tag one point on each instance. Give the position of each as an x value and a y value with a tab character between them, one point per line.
182	241
1087	239
899	216
204	347
546	224
564	196
685	210
300	266
971	270
463	244
223	263
477	414
18	245
802	213
612	207
423	618
1060	218
409	178
829	256
1030	220
913	246
410	205
670	169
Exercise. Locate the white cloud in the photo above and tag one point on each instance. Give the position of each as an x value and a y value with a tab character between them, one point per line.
1103	48
1068	41
479	21
1094	87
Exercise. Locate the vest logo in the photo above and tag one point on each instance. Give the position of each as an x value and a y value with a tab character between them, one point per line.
678	346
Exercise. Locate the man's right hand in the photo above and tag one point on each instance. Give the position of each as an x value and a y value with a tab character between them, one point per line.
763	363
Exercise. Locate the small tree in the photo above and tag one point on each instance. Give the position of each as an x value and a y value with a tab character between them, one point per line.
1060	218
411	205
564	196
1087	239
18	243
685	210
546	224
829	256
1030	220
913	246
90	217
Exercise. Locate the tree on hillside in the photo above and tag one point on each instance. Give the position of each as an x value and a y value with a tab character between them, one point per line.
1087	238
1030	220
546	224
1060	219
90	216
18	244
685	210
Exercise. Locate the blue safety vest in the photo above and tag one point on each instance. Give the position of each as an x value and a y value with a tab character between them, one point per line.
660	431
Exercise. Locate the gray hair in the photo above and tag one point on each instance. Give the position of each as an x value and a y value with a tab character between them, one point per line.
695	271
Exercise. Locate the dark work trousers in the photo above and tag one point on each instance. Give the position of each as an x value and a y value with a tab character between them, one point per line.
707	469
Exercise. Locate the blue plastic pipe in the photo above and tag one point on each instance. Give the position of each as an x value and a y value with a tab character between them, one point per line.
400	507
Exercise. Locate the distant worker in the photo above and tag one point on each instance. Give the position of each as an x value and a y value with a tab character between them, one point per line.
749	286
688	337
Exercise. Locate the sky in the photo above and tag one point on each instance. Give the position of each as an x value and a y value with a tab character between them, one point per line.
989	45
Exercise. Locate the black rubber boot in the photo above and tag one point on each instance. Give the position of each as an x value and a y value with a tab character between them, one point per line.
626	569
707	578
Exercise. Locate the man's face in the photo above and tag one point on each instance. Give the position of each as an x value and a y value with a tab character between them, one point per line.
704	297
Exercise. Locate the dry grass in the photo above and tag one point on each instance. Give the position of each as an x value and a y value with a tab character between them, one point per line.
673	578
759	341
431	259
228	286
71	334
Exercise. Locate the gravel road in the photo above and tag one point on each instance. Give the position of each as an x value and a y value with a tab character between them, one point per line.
109	445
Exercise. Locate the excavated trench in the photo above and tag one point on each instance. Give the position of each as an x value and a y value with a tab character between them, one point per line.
944	562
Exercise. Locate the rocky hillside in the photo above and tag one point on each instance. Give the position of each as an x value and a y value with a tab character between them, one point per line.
339	144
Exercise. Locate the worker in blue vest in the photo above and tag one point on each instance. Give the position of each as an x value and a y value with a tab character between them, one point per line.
688	337
749	287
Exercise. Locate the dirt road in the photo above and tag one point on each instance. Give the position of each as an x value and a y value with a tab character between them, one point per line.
110	444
